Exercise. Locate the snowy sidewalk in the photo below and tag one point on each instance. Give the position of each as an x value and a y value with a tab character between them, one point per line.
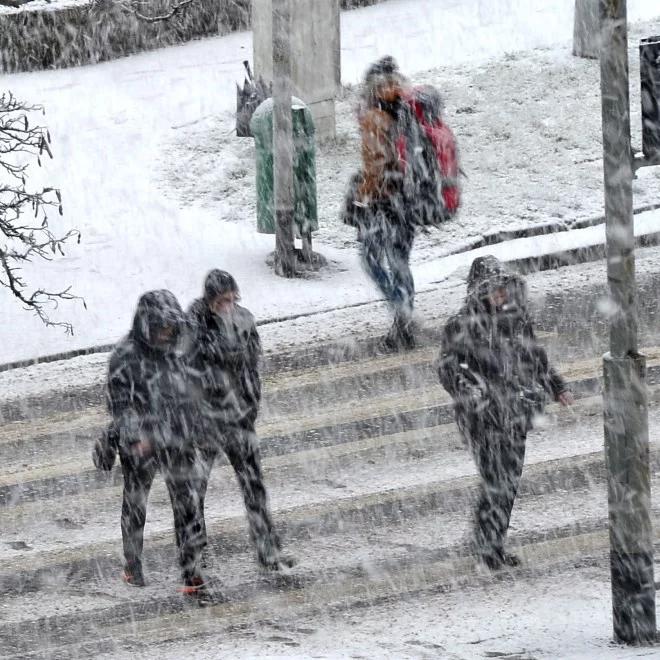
563	615
161	193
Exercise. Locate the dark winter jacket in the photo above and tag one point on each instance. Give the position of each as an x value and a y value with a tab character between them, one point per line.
491	363
148	394
223	357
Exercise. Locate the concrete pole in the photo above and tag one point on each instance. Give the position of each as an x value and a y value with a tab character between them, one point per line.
625	399
586	29
285	256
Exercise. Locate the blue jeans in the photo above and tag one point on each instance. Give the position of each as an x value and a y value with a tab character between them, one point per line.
386	245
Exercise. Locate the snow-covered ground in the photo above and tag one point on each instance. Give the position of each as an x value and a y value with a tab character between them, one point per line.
562	616
162	193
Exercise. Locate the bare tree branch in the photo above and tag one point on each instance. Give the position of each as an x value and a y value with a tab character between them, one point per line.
24	231
136	7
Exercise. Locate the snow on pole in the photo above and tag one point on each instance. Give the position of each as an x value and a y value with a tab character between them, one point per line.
625	399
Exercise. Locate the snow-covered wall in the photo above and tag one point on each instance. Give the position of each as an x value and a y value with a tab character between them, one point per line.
102	30
65	33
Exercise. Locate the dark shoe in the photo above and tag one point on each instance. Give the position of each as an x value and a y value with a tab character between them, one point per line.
511	560
493	561
497	560
276	561
388	344
195	586
401	336
407	338
133	575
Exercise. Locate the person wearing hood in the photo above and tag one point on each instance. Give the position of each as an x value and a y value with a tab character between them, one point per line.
223	358
396	187
499	378
152	413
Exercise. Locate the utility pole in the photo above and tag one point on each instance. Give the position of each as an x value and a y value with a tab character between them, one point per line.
285	255
624	369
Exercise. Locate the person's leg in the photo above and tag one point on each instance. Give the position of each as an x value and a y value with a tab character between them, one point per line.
138	475
205	459
181	471
499	458
242	449
373	245
403	284
486	451
513	459
397	250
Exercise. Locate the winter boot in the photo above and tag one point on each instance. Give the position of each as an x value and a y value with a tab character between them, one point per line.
401	336
497	560
510	559
493	561
270	556
277	562
407	336
133	574
194	586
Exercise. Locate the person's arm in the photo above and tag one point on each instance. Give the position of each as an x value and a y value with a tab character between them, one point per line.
559	388
203	358
254	352
452	363
551	379
126	403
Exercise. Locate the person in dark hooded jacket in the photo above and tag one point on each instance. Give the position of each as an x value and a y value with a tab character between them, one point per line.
223	357
499	377
152	411
397	186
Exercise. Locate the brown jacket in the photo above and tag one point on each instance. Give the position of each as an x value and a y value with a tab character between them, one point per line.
380	157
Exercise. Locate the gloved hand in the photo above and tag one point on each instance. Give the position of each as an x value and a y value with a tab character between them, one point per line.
534	397
104	451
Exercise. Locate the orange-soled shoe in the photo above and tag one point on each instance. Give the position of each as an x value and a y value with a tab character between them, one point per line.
133	575
194	586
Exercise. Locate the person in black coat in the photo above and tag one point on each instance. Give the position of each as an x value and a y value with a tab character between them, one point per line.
499	377
223	357
149	399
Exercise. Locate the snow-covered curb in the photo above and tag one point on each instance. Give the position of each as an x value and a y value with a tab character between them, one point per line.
318	334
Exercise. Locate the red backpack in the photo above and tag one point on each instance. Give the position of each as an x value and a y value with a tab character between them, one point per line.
426	105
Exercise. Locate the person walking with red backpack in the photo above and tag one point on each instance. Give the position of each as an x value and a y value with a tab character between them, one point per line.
401	185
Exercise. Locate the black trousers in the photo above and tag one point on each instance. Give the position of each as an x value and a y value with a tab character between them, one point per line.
499	456
181	472
241	446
